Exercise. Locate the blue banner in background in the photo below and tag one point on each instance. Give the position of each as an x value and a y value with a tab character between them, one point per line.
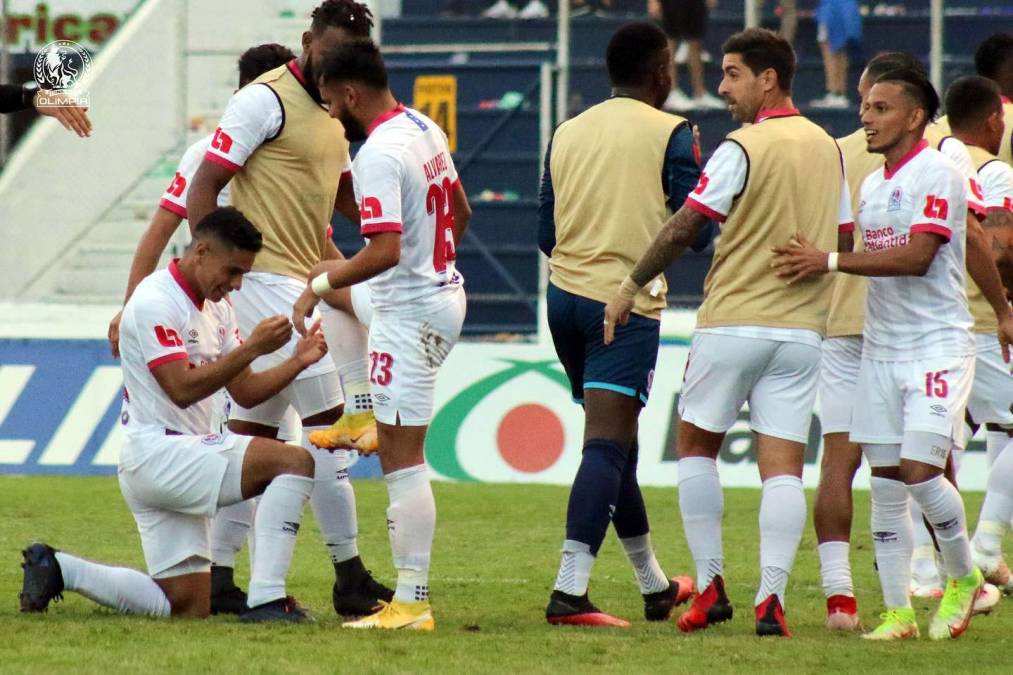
59	409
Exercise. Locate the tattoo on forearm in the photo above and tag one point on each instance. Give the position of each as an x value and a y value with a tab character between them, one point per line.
674	238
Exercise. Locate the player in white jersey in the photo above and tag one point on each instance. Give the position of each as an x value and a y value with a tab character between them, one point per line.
230	526
285	160
975	113
180	344
917	359
414	211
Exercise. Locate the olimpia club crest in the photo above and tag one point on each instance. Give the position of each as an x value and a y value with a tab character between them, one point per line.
60	67
529	436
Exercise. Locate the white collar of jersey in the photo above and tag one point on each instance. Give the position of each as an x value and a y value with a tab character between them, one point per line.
181	280
889	173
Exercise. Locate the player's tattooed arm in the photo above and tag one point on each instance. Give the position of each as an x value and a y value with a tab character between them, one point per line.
675	237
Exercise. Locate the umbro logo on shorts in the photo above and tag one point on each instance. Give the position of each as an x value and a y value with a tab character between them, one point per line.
938	410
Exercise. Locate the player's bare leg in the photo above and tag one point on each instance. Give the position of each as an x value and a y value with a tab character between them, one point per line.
832	517
701	503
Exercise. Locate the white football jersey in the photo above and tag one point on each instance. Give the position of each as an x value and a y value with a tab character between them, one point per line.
174	197
162	322
996	181
909	317
955	150
404	181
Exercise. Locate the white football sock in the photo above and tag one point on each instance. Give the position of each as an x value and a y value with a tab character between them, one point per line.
944	509
121	588
997	509
782	519
574	568
411	521
229	528
996	442
278	516
835	568
923	557
333	500
892	539
645	565
702	504
347	342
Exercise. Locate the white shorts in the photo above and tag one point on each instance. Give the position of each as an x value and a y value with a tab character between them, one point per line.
926	395
778	379
362	303
405	354
839	361
317	388
172	485
992	392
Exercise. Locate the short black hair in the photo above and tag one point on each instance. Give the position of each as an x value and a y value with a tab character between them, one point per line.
916	85
884	62
762	49
992	54
354	17
256	61
355	61
970	100
231	227
632	54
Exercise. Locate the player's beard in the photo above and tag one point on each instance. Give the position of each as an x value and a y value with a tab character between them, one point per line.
354	131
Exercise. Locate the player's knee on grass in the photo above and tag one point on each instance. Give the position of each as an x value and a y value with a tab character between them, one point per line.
189	595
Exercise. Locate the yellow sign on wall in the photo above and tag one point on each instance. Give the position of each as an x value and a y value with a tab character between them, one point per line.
436	97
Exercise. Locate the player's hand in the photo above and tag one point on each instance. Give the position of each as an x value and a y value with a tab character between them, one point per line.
1006	336
617	311
114	334
312	347
270	335
71	116
303	309
799	260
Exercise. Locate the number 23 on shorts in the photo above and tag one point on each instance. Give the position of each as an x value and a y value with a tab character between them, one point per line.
379	368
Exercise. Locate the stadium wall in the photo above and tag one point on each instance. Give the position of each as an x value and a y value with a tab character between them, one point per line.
503	411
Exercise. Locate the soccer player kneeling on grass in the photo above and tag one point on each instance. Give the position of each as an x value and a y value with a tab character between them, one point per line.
414	211
179	344
918	352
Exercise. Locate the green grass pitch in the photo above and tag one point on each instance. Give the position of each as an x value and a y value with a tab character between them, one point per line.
494	563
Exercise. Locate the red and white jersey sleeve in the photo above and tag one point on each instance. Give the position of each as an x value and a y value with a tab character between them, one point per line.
845	218
160	328
996	180
916	317
174	197
253	116
955	149
721	181
377	183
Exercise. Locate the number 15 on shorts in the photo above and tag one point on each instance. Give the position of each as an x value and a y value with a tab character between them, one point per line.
935	384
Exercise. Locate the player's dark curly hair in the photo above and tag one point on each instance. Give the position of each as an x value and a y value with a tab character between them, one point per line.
993	54
970	100
917	86
231	227
633	53
355	61
884	62
256	61
761	49
354	17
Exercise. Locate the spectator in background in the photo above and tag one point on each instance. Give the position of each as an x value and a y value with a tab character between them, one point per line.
787	10
14	98
839	27
687	20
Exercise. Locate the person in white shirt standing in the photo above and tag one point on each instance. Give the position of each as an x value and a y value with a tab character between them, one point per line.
179	345
918	352
413	212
